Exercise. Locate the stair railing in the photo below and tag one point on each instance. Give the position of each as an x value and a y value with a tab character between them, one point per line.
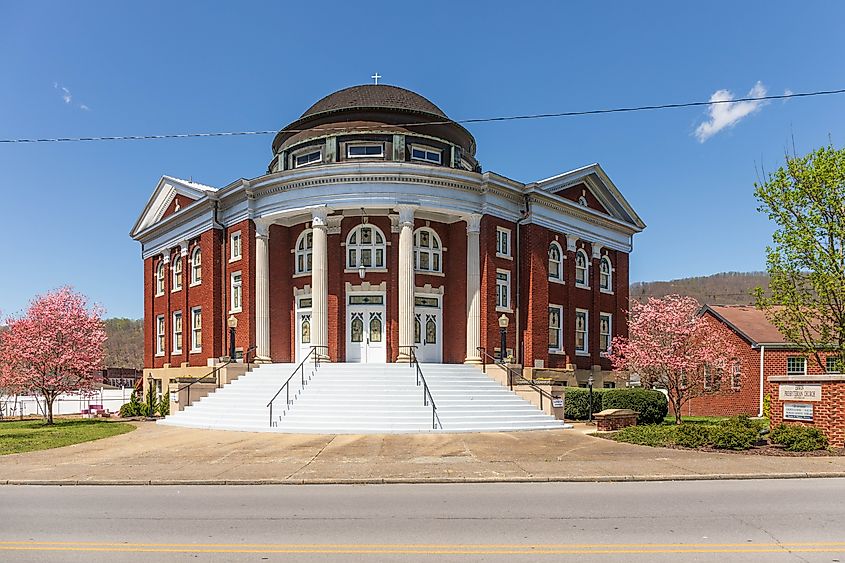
514	378
427	398
316	357
215	372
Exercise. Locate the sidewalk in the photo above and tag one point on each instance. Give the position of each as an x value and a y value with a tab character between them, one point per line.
155	454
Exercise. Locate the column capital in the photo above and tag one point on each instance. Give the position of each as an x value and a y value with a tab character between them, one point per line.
473	222
262	228
406	213
165	256
571	242
333	224
319	216
183	248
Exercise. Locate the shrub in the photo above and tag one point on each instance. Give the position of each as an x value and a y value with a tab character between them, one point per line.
576	404
150	402
651	405
693	435
164	404
798	438
132	408
739	433
646	435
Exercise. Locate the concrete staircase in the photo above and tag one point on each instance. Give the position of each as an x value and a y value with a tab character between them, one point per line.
364	399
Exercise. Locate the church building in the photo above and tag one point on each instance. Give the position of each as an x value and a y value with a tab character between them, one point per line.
375	231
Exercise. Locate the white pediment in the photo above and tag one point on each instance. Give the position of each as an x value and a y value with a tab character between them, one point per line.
166	191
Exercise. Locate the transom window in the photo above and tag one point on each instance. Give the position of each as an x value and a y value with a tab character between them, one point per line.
304	251
365	151
605	331
196	266
426	154
581	335
503	289
555	328
582	268
365	247
503	242
796	365
605	274
177	274
428	253
555	262
160	279
313	157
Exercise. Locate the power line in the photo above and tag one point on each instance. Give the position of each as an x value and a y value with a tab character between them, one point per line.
438	122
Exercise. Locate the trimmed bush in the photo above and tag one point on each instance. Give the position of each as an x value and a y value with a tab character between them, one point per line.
654	435
692	435
132	408
738	433
651	405
576	404
798	438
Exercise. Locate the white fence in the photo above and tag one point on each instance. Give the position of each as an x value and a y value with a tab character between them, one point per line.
12	406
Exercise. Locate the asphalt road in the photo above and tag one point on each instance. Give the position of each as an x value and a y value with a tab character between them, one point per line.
771	520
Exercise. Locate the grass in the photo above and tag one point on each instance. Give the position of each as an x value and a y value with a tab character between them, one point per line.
32	435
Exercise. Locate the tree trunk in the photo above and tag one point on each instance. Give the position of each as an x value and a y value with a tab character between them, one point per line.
677	405
49	400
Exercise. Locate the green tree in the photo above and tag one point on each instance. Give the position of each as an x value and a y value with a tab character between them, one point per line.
806	262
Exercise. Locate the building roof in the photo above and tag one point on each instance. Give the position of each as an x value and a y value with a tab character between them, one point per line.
749	322
374	96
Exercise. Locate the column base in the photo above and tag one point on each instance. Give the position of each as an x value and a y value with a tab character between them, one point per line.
474	360
262	360
404	358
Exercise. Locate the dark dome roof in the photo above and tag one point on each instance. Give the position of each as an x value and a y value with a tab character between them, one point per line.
374	96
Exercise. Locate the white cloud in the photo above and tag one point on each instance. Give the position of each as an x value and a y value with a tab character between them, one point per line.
84	107
725	115
67	96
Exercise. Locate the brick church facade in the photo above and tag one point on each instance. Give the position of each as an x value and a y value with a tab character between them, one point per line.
375	229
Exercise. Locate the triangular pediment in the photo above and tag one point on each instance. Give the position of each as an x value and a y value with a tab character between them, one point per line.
171	196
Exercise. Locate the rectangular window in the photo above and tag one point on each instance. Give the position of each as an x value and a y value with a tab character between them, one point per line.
582	342
503	242
503	289
555	328
177	332
364	151
196	329
830	365
426	154
796	365
235	246
605	331
712	378
313	157
160	335
736	376
236	292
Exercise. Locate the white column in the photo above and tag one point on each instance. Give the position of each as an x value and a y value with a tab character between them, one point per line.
262	291
320	281
473	289
406	279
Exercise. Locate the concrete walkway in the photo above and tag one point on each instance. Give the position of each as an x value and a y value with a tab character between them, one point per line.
166	455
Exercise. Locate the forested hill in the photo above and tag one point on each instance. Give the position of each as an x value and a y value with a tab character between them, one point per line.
728	288
125	345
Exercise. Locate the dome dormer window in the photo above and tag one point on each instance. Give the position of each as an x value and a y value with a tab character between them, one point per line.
307	158
365	151
426	154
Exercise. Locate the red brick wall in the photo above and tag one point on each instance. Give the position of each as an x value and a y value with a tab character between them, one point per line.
281	293
454	239
490	338
245	333
534	309
828	414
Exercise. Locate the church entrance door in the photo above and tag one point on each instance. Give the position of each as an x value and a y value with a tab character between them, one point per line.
303	327
365	329
428	328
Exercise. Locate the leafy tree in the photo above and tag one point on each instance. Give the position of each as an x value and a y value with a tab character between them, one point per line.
672	347
54	348
806	263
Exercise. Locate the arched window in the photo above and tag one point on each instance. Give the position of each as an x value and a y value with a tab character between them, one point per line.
160	278
196	266
304	252
605	273
582	268
428	252
555	262
365	247
177	273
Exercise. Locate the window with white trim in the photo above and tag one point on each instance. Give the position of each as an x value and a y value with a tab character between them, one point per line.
605	274
159	281
365	150
555	262
304	251
177	274
308	158
236	283
736	376
605	331
555	328
582	340
712	378
582	269
503	242
365	247
177	332
196	266
830	365
235	246
196	329
796	365
428	252
503	289
426	154
160	335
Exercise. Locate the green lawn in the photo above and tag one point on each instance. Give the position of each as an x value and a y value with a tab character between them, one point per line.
32	435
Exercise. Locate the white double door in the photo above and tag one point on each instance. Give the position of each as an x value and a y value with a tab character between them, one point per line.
365	329
428	334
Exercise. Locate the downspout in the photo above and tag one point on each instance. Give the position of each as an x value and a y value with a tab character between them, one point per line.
762	354
518	263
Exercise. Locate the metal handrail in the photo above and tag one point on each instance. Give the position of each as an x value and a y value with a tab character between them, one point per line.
214	372
435	418
286	385
511	373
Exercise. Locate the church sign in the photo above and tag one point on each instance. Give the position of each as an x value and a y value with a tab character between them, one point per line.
800	392
798	411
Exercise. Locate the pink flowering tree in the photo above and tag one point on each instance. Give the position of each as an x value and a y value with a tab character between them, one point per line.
672	346
55	348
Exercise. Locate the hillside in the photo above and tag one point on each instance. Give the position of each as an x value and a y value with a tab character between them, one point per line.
728	288
125	345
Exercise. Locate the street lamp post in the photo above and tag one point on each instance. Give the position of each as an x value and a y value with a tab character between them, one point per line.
503	332
590	384
232	323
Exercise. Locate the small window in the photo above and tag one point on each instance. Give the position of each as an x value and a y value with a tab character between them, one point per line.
503	289
364	151
605	331
196	329
426	154
304	251
796	365
582	342
712	378
736	376
235	246
314	157
555	328
236	292
555	262
582	269
159	281
177	332
830	365
196	266
160	335
177	274
503	242
605	274
428	255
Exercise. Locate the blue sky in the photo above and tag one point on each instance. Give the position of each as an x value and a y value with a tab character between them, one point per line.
118	68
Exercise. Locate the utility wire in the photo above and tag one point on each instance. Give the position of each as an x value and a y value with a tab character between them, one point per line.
439	122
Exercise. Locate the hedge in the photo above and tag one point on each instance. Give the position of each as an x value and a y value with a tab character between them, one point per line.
798	438
576	404
652	405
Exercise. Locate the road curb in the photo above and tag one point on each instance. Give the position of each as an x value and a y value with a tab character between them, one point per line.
423	481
